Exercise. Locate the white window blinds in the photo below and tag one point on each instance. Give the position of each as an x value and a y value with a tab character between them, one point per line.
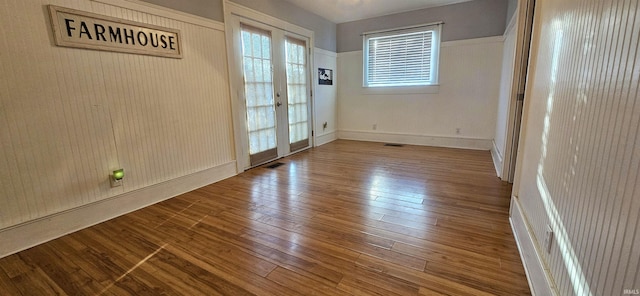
405	57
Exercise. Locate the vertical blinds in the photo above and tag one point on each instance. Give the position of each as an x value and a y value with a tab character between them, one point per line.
403	58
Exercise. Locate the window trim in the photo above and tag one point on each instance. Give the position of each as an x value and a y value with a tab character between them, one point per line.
435	54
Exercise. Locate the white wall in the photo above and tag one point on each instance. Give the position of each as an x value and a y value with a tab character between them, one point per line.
579	161
505	98
71	116
467	99
325	98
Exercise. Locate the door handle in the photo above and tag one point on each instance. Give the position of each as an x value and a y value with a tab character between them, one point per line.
278	104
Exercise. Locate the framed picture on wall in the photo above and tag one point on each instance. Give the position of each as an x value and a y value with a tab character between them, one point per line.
325	76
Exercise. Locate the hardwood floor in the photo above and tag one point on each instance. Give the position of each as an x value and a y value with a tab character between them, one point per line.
347	218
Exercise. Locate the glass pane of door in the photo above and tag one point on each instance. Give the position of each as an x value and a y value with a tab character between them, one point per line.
258	86
297	90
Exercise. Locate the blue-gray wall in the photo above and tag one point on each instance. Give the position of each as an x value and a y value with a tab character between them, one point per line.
473	19
324	30
211	9
511	10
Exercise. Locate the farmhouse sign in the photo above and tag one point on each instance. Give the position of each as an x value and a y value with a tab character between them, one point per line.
80	29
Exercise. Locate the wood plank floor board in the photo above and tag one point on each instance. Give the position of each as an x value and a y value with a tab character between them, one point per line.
37	282
429	292
135	225
443	284
358	241
231	254
472	262
318	250
7	286
190	278
90	261
255	247
346	218
374	279
435	252
473	243
499	282
251	282
68	276
336	264
14	266
301	283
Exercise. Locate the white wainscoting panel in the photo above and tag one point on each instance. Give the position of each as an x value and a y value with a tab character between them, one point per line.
325	98
37	231
497	157
505	101
463	107
537	271
412	139
68	117
579	170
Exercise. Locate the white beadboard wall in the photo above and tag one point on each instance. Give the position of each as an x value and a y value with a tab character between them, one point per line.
71	116
580	166
505	98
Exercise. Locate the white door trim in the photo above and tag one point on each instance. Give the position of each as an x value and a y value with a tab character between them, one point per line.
234	14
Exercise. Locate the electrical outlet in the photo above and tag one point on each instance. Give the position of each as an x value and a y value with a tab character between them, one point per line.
457	131
548	239
115	182
375	126
324	125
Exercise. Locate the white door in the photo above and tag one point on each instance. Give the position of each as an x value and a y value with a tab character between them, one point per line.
260	104
298	104
275	91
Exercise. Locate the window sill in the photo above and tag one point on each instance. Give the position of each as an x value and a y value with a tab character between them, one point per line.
401	90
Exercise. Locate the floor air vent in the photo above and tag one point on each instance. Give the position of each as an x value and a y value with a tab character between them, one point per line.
394	145
274	165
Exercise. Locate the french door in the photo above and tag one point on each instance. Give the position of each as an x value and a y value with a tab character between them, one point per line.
274	93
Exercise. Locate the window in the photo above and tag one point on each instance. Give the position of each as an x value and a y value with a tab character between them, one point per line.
402	57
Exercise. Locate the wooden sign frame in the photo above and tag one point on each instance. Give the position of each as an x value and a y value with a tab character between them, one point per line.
81	29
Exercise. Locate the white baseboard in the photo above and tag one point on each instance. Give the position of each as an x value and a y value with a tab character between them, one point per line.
497	159
32	233
326	138
540	280
411	139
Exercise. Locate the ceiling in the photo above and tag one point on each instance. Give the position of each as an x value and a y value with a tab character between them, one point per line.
340	11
